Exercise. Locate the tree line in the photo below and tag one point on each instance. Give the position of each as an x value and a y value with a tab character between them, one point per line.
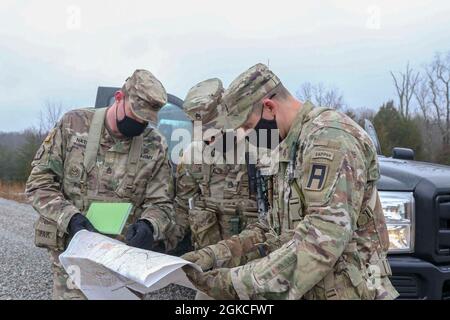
418	117
17	149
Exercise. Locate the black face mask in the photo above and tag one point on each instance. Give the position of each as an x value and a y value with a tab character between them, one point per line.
268	125
128	126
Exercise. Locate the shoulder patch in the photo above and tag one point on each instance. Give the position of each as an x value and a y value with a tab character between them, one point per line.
317	176
321	167
323	154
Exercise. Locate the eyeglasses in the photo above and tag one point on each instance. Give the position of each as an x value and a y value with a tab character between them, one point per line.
262	109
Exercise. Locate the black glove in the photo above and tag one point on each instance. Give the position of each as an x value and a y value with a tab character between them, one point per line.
140	235
79	222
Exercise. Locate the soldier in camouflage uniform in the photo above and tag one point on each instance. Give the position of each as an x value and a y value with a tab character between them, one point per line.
212	200
103	155
326	211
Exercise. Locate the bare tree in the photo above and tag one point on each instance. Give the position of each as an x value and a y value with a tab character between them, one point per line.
305	92
422	95
321	95
49	116
438	78
405	83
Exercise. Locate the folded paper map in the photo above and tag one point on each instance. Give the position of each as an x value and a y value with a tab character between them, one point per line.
105	268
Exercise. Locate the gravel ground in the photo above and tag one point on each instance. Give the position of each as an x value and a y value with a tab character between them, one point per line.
25	271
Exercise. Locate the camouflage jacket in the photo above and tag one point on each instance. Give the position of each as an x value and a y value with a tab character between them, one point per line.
57	191
212	200
326	210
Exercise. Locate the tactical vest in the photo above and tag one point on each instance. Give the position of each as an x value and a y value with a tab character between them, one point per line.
46	233
223	208
359	270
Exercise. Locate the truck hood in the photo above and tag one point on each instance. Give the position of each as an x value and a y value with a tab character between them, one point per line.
405	175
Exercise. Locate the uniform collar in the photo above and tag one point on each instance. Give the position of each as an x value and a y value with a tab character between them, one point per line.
285	146
119	145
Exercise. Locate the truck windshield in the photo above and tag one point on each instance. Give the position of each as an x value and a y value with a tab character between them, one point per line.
172	117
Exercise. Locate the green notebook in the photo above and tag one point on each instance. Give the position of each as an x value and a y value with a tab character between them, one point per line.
108	217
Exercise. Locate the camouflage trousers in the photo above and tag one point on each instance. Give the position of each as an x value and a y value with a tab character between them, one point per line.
201	296
63	287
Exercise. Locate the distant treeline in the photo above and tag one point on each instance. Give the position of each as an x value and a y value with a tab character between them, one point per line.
18	149
418	119
16	153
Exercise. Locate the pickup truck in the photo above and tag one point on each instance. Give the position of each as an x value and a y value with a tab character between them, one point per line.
416	201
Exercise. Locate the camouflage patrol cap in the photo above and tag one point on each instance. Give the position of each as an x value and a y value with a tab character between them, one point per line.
245	91
202	103
146	95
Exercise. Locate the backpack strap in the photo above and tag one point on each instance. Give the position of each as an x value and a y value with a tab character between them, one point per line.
206	174
90	153
132	164
93	141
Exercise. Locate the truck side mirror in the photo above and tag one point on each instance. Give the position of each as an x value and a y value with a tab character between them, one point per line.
403	153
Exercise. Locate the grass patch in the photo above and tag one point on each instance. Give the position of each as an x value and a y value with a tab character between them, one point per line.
13	191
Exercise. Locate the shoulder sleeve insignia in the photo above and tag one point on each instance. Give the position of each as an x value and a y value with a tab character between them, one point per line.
321	168
323	154
317	176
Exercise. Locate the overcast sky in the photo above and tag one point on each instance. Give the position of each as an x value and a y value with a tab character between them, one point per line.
60	51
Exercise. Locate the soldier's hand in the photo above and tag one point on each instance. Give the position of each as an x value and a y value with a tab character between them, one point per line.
140	235
203	258
215	283
79	222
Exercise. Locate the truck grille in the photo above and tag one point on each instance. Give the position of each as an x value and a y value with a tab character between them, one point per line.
407	286
443	234
446	290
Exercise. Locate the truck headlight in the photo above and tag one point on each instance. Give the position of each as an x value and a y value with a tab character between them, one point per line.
398	208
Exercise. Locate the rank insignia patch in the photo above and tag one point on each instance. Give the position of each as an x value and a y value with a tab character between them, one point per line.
317	177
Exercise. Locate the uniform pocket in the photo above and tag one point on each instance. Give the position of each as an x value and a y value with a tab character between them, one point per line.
233	182
359	284
278	266
47	235
295	211
204	228
230	188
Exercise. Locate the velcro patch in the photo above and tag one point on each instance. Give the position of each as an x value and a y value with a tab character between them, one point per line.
317	177
321	167
323	154
146	156
78	142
